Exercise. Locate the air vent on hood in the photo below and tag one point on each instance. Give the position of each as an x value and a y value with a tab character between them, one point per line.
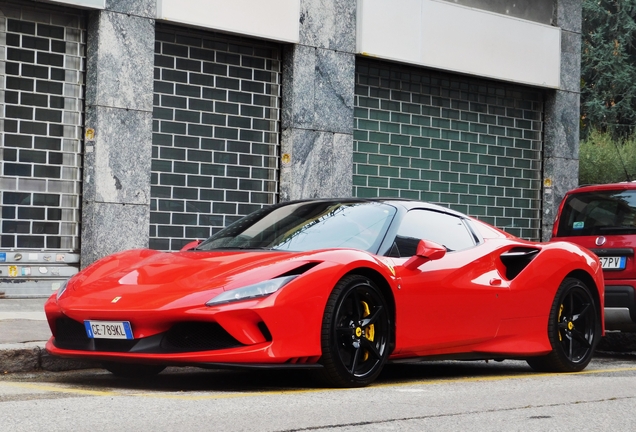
300	270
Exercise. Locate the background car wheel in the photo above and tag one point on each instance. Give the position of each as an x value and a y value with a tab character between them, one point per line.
355	333
133	370
573	329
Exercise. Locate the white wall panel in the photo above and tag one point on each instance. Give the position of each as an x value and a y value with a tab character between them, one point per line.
271	19
466	40
93	4
390	31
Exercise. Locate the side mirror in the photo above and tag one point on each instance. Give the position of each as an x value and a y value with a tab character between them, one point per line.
426	251
191	245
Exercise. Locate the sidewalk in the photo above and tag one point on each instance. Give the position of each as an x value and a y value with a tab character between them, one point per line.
23	334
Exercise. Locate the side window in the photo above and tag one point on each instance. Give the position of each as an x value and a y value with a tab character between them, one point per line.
442	228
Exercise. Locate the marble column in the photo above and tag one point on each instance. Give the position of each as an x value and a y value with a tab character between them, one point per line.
562	113
118	128
317	103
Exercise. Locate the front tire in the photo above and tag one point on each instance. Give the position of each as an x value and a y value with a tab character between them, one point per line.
355	333
573	329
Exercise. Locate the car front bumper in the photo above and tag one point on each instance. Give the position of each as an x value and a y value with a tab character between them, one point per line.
244	333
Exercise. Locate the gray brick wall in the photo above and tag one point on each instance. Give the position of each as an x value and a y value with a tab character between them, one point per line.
471	144
215	133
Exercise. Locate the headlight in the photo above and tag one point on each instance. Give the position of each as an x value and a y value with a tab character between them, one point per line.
61	289
261	289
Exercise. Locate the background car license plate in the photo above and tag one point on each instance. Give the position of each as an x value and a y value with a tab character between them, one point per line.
108	329
613	263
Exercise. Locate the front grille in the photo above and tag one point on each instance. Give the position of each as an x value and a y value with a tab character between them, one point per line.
181	337
115	345
70	334
197	336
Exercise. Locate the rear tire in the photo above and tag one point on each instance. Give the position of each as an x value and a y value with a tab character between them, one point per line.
574	329
356	331
133	370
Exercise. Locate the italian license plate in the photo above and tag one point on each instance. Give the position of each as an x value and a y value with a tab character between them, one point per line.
613	263
108	329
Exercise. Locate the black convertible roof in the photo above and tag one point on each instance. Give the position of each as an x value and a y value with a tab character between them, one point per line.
405	203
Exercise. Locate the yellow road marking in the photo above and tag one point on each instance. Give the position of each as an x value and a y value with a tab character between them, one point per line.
504	377
59	389
50	388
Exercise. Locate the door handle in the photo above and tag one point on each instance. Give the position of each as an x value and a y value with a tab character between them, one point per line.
495	281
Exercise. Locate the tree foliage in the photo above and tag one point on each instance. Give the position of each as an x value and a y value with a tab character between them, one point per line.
608	67
606	159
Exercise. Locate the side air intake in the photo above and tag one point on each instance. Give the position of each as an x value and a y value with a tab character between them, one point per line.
516	259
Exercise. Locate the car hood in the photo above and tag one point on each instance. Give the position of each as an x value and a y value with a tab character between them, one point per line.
157	278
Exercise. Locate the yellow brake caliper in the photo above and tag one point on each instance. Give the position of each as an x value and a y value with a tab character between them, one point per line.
369	331
559	320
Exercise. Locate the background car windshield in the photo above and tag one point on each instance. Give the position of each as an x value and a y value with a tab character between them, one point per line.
306	226
595	213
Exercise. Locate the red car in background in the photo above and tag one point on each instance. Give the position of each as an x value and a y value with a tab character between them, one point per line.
340	285
602	218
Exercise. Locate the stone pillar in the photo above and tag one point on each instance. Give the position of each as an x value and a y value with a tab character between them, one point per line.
562	114
118	128
317	103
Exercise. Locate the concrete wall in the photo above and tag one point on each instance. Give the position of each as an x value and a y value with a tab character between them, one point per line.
317	115
118	143
562	116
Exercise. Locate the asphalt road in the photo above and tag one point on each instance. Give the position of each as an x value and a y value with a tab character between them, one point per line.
436	396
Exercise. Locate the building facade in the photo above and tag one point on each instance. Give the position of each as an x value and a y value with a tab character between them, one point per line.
154	122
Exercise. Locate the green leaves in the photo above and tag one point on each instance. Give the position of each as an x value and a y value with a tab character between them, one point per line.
606	159
608	67
608	92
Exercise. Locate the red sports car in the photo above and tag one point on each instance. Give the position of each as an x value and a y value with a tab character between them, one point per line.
341	285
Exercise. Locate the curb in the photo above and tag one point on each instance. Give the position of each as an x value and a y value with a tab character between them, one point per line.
31	357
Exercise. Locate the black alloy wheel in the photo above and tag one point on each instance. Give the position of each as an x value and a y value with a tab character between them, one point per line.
133	370
573	329
355	333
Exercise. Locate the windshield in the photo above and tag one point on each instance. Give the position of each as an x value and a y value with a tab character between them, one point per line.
307	226
596	213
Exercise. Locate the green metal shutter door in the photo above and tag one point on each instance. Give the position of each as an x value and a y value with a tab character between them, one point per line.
470	144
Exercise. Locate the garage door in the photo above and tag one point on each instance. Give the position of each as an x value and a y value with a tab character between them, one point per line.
42	81
215	140
472	145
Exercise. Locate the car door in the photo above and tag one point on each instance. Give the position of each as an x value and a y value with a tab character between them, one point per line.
449	302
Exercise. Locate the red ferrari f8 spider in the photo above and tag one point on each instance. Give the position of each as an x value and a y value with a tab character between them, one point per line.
341	285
